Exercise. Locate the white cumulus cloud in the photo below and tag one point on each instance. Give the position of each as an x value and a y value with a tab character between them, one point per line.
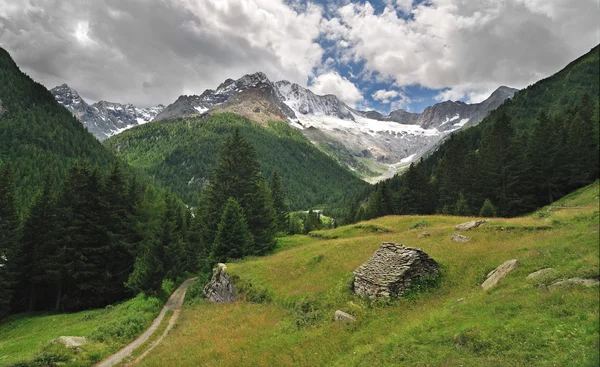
470	46
333	83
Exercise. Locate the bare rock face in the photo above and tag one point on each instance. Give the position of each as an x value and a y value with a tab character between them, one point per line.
570	283
220	288
341	316
470	225
499	273
71	341
460	238
391	271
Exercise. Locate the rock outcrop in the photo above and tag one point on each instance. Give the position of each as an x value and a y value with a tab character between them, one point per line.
467	226
541	274
391	271
220	288
570	283
341	316
460	238
499	273
71	341
423	235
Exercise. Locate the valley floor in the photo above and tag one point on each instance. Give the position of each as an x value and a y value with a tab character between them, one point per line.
287	318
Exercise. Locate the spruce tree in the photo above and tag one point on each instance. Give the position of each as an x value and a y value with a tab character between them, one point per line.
488	210
9	237
237	175
461	207
233	239
282	215
39	242
380	203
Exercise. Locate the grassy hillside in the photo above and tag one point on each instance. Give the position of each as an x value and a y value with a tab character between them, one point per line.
180	154
518	323
37	134
24	337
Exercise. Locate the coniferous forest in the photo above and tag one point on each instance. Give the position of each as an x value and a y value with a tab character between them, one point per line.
100	237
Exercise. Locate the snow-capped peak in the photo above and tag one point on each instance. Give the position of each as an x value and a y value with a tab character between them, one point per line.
305	102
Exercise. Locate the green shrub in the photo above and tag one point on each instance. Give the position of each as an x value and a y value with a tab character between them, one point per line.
306	313
420	224
168	286
250	292
488	210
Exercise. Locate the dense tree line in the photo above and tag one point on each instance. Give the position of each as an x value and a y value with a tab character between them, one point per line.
77	245
100	237
506	175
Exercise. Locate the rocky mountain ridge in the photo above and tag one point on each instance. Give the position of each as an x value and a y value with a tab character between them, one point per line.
104	119
370	143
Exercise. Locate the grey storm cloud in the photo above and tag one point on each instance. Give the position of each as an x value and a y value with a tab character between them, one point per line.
151	51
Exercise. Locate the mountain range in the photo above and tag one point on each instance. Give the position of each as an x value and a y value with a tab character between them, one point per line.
104	119
370	143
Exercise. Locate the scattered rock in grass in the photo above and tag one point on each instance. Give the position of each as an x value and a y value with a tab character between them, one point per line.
71	341
570	283
460	238
499	273
460	300
470	225
541	273
220	288
423	235
341	316
391	271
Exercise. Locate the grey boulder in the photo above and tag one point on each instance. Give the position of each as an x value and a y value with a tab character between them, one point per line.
460	238
220	289
496	275
341	316
467	226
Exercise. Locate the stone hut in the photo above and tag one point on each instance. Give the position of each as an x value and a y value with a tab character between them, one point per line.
391	270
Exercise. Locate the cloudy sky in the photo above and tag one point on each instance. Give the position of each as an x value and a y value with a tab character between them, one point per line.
380	54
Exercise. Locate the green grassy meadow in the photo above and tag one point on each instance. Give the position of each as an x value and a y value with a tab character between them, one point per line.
25	338
287	316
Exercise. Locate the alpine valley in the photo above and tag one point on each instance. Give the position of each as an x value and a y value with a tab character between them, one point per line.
373	145
262	224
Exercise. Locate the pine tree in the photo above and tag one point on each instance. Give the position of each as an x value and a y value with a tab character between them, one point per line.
461	207
233	239
149	271
237	175
380	203
488	210
39	241
9	237
500	166
119	224
172	238
282	214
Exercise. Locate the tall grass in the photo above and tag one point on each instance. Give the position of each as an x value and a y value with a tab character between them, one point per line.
453	323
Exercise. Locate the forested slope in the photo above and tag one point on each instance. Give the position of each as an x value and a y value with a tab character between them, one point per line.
529	152
37	134
180	154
